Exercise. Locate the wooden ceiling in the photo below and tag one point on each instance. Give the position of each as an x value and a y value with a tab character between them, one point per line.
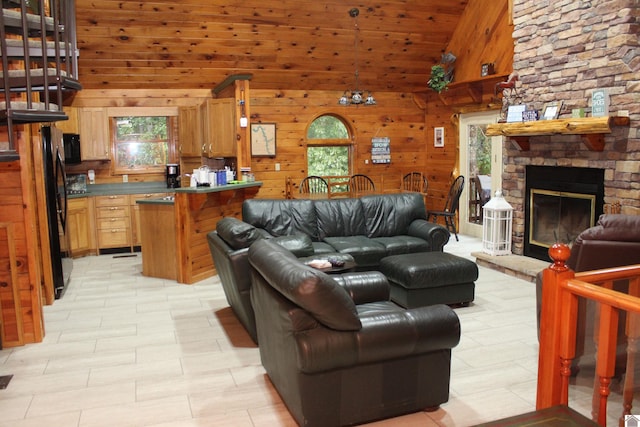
284	44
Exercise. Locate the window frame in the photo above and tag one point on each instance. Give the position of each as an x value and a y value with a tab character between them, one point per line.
172	131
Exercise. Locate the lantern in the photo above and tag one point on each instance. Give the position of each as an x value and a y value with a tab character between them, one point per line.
496	226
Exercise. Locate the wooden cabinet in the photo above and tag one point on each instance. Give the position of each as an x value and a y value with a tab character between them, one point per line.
136	235
79	226
93	126
219	137
113	221
189	132
72	125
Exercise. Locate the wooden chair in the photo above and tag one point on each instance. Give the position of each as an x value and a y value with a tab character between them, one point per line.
314	184
450	207
416	182
361	183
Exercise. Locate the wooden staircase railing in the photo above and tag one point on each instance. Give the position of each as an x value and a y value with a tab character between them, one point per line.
561	290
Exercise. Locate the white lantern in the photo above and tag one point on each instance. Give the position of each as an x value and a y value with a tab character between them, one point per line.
496	226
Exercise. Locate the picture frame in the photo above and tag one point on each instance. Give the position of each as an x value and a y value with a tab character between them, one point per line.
263	139
438	137
551	110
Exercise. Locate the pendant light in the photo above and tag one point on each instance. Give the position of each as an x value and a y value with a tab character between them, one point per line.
354	96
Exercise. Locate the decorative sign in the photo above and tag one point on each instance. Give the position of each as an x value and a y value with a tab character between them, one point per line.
380	150
530	115
599	103
514	113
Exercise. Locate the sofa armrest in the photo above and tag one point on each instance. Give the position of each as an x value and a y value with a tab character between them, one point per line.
384	336
436	235
364	287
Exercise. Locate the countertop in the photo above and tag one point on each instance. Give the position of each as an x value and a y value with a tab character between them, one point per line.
94	190
234	186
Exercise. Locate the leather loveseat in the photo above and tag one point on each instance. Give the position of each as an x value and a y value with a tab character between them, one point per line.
367	229
613	242
338	351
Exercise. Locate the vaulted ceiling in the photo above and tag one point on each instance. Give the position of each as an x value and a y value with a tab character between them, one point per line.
284	44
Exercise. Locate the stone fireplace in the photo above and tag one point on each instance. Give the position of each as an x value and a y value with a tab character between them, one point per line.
563	51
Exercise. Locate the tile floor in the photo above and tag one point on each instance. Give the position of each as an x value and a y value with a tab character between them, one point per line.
126	350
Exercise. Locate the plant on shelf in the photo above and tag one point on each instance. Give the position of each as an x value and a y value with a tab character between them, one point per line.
438	80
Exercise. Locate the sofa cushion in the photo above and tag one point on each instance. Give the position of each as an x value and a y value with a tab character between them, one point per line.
313	290
340	217
237	234
298	244
364	250
281	217
395	245
392	214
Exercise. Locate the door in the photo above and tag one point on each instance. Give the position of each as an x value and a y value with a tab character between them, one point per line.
481	164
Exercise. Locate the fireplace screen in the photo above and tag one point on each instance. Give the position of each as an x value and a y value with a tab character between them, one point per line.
559	216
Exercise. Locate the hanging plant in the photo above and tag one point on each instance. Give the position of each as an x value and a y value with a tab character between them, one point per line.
439	79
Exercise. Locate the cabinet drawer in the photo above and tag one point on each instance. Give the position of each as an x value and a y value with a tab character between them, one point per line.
107	223
115	237
115	200
146	196
113	212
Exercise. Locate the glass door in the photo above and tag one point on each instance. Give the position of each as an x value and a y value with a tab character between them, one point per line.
481	164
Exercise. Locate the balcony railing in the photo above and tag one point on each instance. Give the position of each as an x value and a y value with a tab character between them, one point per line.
561	291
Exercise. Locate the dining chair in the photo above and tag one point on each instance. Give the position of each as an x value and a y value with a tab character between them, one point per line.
361	183
415	181
450	206
314	184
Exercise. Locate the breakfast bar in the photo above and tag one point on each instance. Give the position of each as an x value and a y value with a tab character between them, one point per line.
174	232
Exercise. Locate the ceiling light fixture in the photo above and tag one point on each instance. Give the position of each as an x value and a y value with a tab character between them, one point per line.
354	96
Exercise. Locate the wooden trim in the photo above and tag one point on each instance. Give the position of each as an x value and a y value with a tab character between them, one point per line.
15	291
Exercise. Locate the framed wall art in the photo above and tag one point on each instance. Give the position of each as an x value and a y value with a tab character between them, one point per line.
438	137
551	110
263	139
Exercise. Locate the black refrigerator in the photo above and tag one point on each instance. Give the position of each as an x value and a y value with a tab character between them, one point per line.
55	184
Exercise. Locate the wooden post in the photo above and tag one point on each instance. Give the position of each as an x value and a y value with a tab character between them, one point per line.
549	392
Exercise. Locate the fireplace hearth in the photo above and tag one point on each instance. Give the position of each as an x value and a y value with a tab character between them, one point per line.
560	202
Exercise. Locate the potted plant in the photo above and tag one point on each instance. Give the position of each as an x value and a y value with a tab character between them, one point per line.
439	79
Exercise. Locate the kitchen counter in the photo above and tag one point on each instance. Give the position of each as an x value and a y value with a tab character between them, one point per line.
174	232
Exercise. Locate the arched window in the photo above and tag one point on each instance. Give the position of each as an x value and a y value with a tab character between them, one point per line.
329	149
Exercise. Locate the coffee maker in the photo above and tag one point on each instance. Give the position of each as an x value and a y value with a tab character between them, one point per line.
173	175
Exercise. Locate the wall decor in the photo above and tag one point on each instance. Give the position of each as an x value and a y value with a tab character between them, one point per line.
380	150
514	113
263	139
599	103
438	137
530	115
551	110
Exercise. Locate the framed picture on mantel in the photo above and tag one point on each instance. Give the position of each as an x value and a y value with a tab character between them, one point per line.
551	110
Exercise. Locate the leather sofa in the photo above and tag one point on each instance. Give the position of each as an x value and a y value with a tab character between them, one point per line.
613	242
367	229
338	351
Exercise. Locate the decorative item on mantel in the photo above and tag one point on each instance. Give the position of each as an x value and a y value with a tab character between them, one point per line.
354	96
509	92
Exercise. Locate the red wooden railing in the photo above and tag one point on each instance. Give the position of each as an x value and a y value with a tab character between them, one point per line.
558	324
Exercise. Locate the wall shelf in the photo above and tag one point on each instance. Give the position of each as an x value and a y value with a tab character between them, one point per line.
463	92
592	129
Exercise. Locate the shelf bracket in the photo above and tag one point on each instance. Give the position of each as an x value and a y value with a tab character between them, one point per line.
520	142
594	141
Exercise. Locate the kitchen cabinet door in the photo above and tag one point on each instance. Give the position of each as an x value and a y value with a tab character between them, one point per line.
189	132
94	133
79	226
135	215
219	127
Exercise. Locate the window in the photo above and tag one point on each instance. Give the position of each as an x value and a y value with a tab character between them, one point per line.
141	144
328	150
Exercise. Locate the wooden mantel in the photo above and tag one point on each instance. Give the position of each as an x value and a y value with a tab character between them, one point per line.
592	129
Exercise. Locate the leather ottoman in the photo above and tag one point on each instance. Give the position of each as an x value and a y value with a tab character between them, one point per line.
427	278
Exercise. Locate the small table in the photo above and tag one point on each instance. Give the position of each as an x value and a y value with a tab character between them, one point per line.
347	266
